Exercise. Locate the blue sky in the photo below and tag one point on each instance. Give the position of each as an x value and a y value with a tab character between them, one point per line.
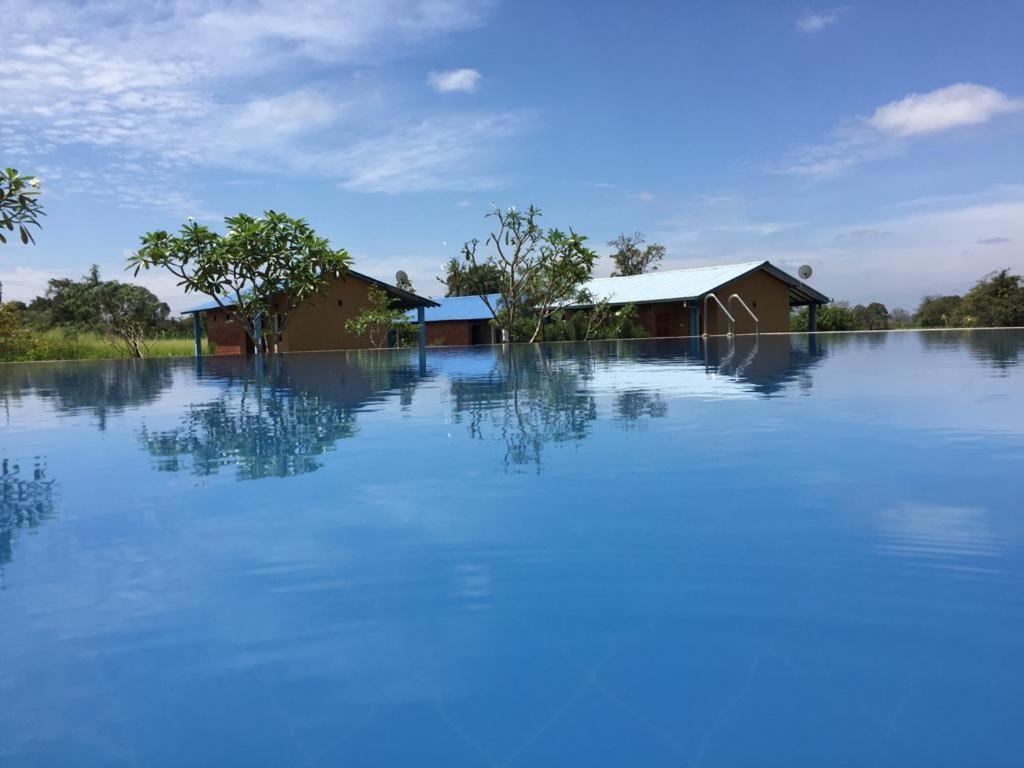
880	142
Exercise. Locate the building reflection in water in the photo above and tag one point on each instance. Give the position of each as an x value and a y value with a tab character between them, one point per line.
528	397
277	418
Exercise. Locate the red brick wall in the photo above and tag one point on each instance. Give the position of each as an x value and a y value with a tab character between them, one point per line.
450	333
674	319
226	336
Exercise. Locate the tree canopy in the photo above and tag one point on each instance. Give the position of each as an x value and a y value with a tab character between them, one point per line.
378	320
632	259
540	270
937	312
261	266
127	314
463	279
995	300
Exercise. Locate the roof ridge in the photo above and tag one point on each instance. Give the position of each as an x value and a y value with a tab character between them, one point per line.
655	273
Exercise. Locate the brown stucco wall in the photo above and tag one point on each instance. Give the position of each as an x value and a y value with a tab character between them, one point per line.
227	336
767	297
320	323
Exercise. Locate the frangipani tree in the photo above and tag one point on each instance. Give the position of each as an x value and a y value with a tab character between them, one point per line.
538	270
260	267
19	204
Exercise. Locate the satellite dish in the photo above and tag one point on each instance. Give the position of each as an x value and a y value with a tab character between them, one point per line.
401	278
805	271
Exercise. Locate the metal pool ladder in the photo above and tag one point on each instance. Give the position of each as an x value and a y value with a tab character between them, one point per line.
721	306
757	324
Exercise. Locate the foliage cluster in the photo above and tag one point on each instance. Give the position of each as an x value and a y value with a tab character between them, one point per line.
996	300
541	271
261	267
380	323
19	205
632	258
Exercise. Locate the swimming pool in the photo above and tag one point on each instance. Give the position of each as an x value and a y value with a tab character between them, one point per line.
795	551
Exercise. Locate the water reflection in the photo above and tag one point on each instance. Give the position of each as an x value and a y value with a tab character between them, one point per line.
634	406
999	350
277	419
769	364
101	388
26	500
937	535
529	397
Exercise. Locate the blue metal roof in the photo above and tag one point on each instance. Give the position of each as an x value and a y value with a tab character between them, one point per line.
458	308
208	305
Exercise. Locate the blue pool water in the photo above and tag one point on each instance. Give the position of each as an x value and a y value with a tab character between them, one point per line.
795	553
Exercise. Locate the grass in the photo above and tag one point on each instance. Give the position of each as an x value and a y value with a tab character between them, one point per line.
57	345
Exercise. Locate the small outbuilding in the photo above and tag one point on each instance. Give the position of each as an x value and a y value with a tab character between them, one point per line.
318	324
460	321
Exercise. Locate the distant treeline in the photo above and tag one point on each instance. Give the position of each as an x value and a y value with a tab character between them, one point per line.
90	318
997	300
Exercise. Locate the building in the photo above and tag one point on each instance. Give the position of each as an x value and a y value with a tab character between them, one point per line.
710	300
319	324
738	298
460	321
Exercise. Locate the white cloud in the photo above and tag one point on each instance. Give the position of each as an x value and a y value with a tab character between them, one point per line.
955	106
865	232
157	86
643	196
284	116
850	148
454	80
25	283
815	21
759	228
886	132
896	260
438	153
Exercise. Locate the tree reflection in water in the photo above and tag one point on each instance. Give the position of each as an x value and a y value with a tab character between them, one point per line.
635	405
996	349
263	431
26	500
279	418
101	388
532	396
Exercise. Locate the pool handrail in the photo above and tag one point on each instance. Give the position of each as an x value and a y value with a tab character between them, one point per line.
732	320
757	323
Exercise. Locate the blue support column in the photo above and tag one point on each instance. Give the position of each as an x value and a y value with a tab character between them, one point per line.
421	319
694	321
812	318
197	329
